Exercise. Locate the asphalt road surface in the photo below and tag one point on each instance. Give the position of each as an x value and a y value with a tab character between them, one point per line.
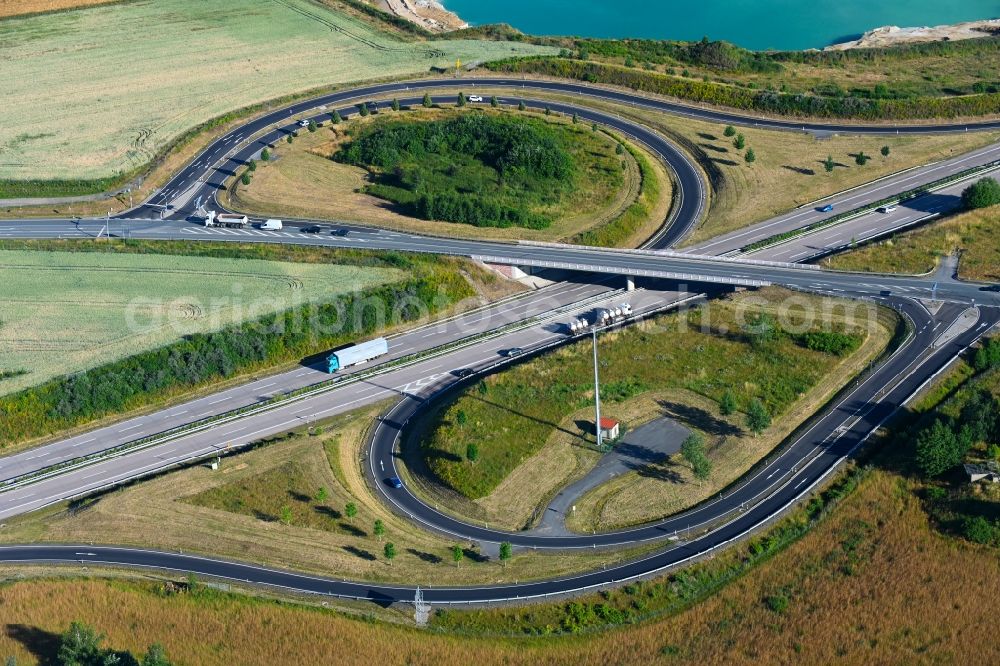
766	493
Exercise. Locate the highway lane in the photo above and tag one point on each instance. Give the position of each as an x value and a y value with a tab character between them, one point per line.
688	269
418	340
395	382
750	514
586	260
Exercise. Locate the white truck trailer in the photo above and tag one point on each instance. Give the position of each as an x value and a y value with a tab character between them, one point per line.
356	354
226	220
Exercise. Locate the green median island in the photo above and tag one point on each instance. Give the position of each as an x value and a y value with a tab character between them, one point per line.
740	373
486	170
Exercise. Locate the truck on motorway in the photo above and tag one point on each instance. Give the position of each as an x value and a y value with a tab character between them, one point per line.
226	220
357	354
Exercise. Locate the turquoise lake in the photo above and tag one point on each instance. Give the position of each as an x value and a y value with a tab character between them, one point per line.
754	24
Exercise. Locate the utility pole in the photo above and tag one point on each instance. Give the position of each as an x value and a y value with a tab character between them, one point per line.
597	395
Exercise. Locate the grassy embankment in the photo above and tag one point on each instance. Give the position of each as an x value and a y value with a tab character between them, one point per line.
972	234
263	334
599	202
906	82
266	506
912	595
103	128
526	422
788	171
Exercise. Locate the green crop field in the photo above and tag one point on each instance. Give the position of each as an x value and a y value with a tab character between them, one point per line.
62	312
98	91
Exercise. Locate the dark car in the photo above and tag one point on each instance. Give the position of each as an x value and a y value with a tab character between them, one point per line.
314	229
513	352
339	232
990	287
394	481
462	373
826	209
372	106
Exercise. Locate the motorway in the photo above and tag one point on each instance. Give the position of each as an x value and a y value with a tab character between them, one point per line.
798	468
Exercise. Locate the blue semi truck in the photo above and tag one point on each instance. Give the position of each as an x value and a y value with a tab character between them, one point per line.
355	354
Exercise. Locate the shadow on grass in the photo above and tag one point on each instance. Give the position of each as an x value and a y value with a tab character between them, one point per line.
799	170
430	558
699	418
266	517
327	511
43	645
360	552
353	530
474	555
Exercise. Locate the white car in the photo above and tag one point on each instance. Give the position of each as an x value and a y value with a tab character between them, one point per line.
475	98
303	123
886	209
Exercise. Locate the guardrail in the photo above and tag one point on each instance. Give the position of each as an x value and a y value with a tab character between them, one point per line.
784	237
284	399
639	272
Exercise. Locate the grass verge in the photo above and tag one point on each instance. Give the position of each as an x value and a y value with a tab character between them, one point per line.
971	234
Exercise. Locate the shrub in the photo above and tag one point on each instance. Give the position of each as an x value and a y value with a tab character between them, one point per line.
981	194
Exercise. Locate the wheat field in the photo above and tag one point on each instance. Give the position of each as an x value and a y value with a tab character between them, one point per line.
98	91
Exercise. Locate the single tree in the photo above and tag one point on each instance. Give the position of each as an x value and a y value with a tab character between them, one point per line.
981	194
937	449
461	99
457	554
521	106
389	551
729	131
987	356
629	62
702	468
363	109
461	418
694	452
576	118
395	104
252	165
335	117
321	494
727	405
80	645
427	101
11	661
265	155
494	102
351	510
861	159
313	126
593	127
740	142
290	138
505	552
156	655
758	418
584	54
245	178
619	149
829	164
751	156
286	514
548	111
885	151
472	452
379	529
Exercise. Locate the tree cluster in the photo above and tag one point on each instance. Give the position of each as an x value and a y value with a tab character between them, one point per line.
81	646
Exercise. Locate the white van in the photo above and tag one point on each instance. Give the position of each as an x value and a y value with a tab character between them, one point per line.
886	209
271	225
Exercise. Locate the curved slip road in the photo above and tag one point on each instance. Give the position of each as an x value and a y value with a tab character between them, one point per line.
798	468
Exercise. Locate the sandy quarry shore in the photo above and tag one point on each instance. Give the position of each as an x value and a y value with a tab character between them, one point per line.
428	14
891	35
